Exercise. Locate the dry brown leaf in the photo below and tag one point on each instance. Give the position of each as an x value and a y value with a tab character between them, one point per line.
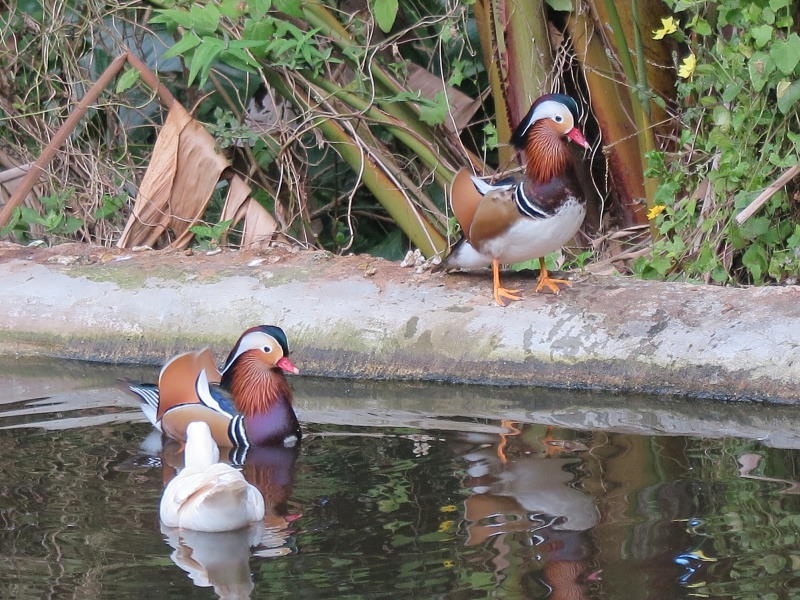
259	225
183	172
461	106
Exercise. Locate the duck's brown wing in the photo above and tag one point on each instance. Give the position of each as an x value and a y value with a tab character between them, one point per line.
464	199
178	378
496	212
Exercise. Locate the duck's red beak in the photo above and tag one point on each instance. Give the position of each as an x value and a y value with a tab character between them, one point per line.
576	135
286	365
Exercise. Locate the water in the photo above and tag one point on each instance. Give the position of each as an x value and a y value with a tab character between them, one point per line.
407	491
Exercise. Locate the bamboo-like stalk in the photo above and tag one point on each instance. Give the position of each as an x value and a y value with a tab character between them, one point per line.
382	176
636	75
517	57
385	188
319	16
611	107
414	142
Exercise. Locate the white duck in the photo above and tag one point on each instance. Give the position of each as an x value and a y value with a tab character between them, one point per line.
208	495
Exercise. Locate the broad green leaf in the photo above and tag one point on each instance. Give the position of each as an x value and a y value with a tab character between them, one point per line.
560	5
776	5
789	97
702	27
435	112
786	53
204	19
258	8
293	8
239	59
233	9
761	65
203	57
762	34
385	12
182	46
172	17
127	80
756	261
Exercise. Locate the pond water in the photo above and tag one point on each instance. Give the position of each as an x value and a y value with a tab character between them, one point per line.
407	491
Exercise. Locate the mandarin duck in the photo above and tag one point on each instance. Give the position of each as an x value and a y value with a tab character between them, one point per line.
247	403
513	222
208	495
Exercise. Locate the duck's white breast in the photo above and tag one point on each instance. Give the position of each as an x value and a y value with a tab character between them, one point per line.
534	238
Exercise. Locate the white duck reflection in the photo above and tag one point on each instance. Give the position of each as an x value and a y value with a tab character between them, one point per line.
218	559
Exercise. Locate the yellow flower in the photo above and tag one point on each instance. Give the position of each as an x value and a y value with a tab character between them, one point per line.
668	25
656	210
445	526
448	564
687	66
448	508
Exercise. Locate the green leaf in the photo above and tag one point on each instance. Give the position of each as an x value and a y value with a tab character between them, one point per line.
292	8
702	27
789	98
756	261
203	57
385	12
434	112
560	5
239	59
127	80
182	46
172	17
204	19
762	34
786	53
258	8
761	65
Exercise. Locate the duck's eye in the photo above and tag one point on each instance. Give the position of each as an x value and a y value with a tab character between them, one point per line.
558	118
267	349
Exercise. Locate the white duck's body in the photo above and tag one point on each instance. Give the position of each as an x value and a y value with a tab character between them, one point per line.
208	495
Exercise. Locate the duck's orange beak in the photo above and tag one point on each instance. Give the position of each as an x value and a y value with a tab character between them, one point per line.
286	365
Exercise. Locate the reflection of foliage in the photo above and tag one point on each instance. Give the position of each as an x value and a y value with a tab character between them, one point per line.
71	517
747	535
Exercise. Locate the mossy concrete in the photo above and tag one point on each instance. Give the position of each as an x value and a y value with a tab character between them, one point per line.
364	317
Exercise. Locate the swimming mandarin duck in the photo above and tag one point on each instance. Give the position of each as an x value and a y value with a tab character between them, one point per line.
208	495
247	403
514	222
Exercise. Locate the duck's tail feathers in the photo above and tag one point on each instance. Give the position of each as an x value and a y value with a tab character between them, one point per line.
148	394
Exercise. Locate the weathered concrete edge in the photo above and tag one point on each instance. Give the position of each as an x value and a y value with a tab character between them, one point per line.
604	333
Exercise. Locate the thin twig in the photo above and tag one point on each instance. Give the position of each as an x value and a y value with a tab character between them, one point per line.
768	192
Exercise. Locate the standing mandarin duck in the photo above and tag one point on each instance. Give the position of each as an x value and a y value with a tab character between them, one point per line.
247	403
515	222
208	495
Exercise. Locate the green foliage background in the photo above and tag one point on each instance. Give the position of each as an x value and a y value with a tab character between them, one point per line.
358	159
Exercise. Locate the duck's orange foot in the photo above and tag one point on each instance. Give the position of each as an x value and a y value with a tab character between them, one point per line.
502	294
545	281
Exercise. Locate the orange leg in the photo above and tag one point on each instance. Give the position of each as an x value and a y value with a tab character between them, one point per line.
501	293
546	281
503	444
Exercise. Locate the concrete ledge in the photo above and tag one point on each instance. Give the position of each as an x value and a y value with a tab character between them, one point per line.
364	317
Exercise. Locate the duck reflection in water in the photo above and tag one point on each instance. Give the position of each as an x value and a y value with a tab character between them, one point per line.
526	505
222	560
